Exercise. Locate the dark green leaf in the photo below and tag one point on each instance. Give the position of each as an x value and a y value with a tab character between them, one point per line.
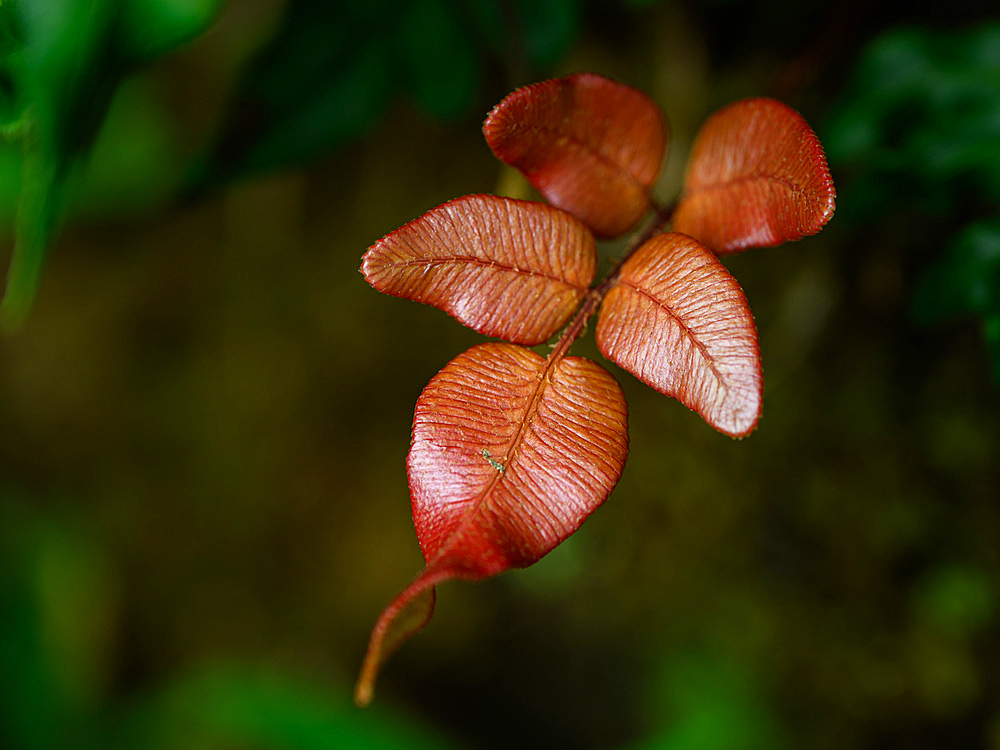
63	89
60	64
438	57
10	185
38	209
133	165
920	124
153	27
11	43
69	70
549	28
965	280
323	78
57	605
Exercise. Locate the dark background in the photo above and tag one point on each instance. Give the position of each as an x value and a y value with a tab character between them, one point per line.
206	410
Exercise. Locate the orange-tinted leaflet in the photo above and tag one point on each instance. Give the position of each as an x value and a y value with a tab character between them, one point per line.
757	177
679	322
590	145
507	268
510	454
511	451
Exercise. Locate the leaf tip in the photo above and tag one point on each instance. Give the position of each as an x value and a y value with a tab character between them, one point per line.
681	323
364	690
743	425
406	615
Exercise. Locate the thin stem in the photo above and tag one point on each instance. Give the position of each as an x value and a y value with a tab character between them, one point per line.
590	303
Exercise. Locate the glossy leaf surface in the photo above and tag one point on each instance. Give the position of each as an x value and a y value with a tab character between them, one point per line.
510	454
590	145
757	177
680	322
507	268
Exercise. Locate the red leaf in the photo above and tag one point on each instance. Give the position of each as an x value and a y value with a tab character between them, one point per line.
510	453
679	322
590	145
757	177
507	268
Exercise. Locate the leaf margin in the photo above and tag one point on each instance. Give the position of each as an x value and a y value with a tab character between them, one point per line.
693	218
505	122
651	258
573	274
443	561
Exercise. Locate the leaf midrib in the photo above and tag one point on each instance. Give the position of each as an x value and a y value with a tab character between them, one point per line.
602	157
686	330
487	263
510	454
754	177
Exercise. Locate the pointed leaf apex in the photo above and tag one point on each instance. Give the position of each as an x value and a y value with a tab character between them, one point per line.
511	452
404	617
680	322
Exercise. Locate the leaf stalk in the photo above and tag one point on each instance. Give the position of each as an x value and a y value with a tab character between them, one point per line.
660	217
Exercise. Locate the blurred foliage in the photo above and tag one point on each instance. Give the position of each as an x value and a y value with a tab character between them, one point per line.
241	707
289	109
711	702
61	63
919	121
919	131
965	282
206	415
325	76
59	599
54	635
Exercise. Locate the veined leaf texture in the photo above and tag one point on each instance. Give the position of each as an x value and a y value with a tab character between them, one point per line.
757	176
510	453
680	322
507	268
511	450
591	146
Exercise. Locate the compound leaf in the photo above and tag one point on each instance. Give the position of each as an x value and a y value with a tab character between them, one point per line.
507	268
510	454
680	322
757	177
590	145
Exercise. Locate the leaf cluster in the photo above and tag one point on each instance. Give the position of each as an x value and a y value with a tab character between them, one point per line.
511	451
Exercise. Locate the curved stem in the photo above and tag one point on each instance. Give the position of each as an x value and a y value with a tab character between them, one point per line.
592	301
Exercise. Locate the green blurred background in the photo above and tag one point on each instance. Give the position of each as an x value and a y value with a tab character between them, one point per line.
205	410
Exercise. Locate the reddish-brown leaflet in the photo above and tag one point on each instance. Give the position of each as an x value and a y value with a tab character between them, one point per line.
511	450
